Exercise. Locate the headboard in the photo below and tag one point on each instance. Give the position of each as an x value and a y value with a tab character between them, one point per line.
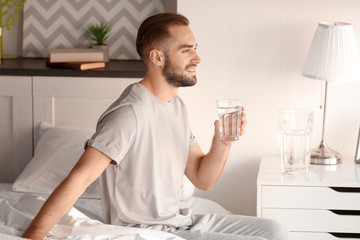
72	101
60	101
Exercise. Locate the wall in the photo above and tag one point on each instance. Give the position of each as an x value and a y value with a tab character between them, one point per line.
124	16
255	50
65	24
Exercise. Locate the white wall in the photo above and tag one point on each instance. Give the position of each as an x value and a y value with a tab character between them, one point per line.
255	50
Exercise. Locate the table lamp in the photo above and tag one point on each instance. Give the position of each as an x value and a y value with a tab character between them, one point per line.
333	56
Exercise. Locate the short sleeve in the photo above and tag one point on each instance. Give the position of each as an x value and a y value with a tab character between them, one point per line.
115	133
192	141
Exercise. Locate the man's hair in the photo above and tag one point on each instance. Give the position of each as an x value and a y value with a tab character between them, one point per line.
153	32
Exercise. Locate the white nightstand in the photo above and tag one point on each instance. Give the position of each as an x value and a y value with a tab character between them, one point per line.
323	204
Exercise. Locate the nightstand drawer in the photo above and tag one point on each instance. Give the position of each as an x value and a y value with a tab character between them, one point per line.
310	197
315	220
321	236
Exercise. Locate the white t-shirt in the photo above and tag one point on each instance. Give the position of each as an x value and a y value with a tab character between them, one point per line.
149	140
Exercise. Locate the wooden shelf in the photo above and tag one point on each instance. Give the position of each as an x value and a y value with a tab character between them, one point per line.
37	67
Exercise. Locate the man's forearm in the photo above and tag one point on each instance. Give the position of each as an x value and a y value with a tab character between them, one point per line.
212	164
89	167
204	170
59	202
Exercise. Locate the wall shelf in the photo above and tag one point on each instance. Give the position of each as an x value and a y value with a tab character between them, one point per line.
37	67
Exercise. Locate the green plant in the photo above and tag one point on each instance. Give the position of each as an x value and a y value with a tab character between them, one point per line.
100	32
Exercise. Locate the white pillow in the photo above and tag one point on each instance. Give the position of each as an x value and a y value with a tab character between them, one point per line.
57	151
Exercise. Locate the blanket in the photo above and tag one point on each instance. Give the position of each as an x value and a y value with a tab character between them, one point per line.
16	215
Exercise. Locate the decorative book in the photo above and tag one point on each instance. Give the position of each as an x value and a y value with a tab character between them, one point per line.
77	65
61	55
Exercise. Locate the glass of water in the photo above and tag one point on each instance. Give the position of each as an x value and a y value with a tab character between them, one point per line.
295	128
229	111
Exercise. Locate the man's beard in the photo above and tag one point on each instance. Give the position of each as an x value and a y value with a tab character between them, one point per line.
177	79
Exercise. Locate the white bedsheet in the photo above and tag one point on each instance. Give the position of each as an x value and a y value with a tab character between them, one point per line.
83	221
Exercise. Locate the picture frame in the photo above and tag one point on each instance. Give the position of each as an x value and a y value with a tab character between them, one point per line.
357	152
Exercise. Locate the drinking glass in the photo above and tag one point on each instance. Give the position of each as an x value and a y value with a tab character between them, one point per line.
229	111
295	128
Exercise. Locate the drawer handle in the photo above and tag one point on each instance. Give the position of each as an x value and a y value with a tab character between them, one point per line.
346	212
346	235
346	189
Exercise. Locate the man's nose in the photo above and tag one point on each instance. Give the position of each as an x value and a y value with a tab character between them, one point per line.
197	58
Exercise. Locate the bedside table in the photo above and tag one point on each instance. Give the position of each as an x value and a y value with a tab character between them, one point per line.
323	204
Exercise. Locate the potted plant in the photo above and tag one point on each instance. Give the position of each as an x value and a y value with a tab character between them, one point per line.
100	33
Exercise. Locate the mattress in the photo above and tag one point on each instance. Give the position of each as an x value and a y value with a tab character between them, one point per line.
83	221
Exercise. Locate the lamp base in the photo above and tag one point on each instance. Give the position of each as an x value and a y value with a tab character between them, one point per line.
323	155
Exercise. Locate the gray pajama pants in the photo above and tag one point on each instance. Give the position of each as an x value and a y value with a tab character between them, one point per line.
231	227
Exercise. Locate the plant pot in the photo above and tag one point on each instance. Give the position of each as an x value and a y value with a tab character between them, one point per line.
105	49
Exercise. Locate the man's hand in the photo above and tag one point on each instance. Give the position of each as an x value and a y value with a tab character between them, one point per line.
243	121
242	128
204	170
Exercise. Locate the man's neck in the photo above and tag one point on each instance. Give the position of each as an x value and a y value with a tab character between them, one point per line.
159	87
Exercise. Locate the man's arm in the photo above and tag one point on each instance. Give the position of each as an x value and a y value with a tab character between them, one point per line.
89	167
204	170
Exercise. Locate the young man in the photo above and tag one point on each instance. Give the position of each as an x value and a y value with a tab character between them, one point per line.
143	145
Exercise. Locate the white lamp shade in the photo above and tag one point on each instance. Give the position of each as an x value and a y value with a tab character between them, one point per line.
333	54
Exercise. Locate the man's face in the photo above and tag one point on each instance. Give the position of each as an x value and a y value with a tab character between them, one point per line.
181	58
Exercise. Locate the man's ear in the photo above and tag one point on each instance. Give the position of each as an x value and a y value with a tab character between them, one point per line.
157	57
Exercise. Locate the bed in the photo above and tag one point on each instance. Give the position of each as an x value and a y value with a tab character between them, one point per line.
65	111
